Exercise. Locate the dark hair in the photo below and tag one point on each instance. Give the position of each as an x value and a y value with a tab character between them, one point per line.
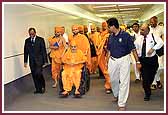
113	22
32	29
135	24
154	18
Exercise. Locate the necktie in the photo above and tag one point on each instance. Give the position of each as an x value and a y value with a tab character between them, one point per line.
144	48
32	41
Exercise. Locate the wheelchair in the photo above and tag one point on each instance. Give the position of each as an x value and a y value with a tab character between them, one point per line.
84	83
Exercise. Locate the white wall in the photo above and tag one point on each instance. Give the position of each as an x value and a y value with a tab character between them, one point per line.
17	20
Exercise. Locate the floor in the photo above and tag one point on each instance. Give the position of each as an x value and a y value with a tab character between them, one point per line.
94	100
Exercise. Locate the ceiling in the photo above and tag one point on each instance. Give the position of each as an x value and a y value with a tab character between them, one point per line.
125	13
35	10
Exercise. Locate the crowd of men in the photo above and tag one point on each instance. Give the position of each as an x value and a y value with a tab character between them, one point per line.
109	49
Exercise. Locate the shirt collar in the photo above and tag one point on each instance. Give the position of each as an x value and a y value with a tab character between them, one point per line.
34	37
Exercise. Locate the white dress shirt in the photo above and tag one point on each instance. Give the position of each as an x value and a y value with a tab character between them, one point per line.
136	35
33	39
65	37
149	44
158	30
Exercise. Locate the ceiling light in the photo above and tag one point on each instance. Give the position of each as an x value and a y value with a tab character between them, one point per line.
129	8
104	6
119	9
129	4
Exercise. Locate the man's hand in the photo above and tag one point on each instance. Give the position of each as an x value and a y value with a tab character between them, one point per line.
150	51
25	65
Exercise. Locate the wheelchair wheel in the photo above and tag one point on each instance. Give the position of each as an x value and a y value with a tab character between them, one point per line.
87	80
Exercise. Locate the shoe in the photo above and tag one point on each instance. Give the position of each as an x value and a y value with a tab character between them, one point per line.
64	94
114	99
153	87
159	85
108	91
137	80
146	98
121	108
54	85
38	92
43	90
77	96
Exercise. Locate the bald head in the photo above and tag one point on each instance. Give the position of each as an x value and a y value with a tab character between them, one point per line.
93	28
144	30
75	29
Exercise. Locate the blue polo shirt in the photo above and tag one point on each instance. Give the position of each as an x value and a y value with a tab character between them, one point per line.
120	45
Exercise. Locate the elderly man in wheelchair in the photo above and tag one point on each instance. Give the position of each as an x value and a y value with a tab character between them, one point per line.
73	62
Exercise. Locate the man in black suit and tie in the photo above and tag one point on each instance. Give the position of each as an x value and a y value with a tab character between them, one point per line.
35	48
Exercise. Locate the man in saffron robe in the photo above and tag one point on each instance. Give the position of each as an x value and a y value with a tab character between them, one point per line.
73	61
57	46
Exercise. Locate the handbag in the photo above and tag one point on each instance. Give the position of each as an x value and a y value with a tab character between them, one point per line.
160	51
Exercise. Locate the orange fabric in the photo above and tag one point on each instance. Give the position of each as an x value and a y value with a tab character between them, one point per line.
94	64
103	66
69	78
104	24
102	62
81	28
75	26
103	33
56	55
73	63
55	69
103	42
59	29
96	38
74	59
82	43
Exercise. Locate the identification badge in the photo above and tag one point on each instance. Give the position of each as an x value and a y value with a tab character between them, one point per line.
120	40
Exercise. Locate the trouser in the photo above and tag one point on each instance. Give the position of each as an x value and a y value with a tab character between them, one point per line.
94	64
70	78
119	71
148	71
160	69
137	75
55	68
37	75
103	66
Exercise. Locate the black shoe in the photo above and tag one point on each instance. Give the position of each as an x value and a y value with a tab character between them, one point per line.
38	92
64	95
137	80
146	98
77	96
159	85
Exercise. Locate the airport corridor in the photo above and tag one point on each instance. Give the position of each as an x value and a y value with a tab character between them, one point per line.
94	100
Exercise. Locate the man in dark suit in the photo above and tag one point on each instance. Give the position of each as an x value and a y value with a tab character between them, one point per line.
35	48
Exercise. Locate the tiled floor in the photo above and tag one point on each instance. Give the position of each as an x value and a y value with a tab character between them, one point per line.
94	100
